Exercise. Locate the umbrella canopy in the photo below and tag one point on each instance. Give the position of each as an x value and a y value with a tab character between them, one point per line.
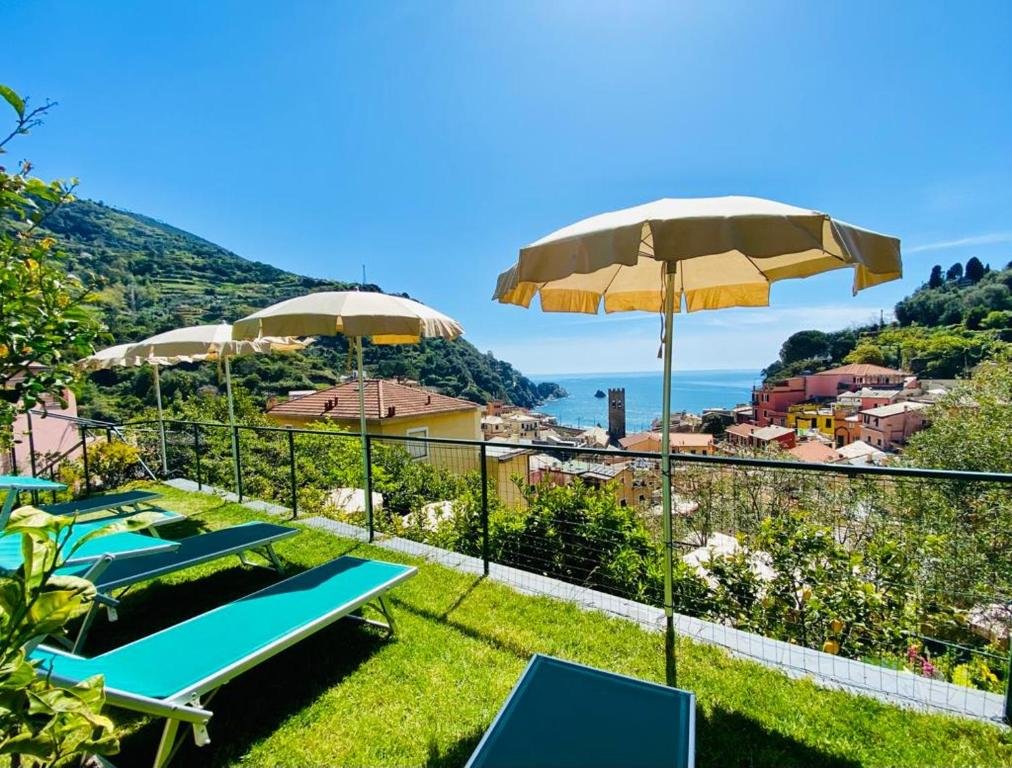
719	251
114	357
187	345
204	342
703	253
384	318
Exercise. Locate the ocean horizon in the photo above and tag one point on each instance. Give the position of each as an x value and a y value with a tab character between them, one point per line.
691	390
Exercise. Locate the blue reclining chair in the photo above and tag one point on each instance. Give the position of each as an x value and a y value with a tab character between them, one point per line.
173	674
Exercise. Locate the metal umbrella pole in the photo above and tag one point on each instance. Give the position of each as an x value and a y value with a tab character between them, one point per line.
161	421
366	486
669	634
231	423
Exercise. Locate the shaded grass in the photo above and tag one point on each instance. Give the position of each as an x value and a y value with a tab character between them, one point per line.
348	696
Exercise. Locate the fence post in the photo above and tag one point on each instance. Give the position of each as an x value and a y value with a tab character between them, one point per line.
84	458
238	462
196	454
291	473
484	508
1008	689
31	442
368	486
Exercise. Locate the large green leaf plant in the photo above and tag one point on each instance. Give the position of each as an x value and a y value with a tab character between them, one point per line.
42	723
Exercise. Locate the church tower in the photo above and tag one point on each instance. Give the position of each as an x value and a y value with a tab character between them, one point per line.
616	414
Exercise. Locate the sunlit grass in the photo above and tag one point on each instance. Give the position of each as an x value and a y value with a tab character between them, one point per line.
350	697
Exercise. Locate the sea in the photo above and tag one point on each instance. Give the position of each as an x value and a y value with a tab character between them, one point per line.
690	391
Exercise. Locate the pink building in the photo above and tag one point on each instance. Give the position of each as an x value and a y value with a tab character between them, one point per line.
770	402
50	436
848	378
889	426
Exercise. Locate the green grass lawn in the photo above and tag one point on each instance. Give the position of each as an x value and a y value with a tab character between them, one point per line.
348	696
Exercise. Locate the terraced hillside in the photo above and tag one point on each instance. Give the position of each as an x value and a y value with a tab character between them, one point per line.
151	277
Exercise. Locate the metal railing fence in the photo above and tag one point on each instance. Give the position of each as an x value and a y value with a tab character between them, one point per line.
871	573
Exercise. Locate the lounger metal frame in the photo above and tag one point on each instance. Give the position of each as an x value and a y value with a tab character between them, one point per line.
187	705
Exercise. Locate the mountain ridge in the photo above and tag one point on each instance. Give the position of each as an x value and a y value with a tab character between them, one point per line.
150	276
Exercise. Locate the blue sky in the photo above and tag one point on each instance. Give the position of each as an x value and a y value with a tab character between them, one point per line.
430	141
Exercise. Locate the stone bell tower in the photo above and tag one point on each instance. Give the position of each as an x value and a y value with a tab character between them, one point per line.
616	414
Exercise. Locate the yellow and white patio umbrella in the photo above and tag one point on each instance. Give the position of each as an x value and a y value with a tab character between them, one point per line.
186	345
358	315
700	253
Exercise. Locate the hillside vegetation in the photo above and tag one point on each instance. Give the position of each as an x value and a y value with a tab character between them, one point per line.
151	277
955	320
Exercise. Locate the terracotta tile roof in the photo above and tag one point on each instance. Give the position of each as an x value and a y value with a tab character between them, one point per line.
862	369
741	430
383	400
813	451
772	432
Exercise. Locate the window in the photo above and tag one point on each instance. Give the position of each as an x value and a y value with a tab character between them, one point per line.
418	448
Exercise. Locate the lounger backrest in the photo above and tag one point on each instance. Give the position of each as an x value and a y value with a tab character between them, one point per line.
100	502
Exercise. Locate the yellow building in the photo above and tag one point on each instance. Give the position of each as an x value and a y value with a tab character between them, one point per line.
509	470
393	409
806	416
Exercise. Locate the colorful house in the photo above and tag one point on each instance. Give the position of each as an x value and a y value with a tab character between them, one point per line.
681	442
809	416
888	427
771	403
754	436
50	436
390	409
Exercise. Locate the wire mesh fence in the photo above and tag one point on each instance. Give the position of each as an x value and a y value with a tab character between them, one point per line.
886	579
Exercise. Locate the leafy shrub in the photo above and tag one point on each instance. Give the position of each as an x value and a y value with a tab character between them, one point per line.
43	724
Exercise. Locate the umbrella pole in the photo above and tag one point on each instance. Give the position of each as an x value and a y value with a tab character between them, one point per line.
231	424
161	422
669	636
366	485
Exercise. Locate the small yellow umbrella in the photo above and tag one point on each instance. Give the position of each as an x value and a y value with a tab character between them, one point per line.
705	253
384	318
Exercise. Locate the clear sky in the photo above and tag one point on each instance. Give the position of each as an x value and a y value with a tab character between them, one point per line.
429	141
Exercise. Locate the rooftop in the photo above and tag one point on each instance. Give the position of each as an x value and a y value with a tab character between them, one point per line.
384	399
895	408
814	451
861	369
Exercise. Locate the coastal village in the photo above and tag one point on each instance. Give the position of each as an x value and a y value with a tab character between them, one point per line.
854	414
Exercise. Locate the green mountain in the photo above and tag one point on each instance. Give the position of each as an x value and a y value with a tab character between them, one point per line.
942	330
151	277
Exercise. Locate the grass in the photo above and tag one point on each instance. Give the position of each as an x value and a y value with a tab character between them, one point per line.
350	697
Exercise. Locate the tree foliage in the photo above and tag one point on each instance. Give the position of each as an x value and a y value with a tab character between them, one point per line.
45	324
945	328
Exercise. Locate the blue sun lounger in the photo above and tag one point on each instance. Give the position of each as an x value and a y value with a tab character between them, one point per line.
567	715
114	575
109	507
173	674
